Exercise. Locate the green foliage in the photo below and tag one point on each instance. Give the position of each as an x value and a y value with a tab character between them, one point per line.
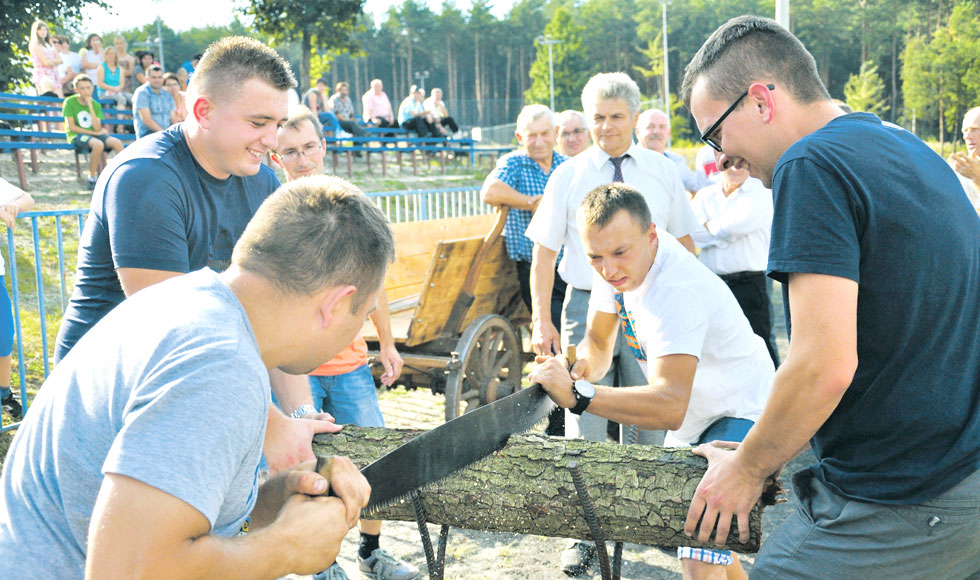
940	73
865	91
15	33
321	25
570	64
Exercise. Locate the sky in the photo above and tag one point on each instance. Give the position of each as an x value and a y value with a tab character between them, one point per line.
184	14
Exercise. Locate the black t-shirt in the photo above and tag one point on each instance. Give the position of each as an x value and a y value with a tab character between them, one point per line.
158	209
870	202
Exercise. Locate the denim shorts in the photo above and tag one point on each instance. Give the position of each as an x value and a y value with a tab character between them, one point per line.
351	398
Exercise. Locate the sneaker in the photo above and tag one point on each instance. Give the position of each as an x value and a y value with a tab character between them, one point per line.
577	557
91	182
334	572
382	565
12	406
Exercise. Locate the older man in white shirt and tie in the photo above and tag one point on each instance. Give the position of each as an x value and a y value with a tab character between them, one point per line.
736	218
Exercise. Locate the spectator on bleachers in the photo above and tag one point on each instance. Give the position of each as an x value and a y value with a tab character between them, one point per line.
436	107
183	76
412	115
377	106
91	55
112	79
343	109
154	109
172	85
126	60
573	134
189	67
44	57
967	165
315	98
71	63
144	60
83	126
653	133
13	200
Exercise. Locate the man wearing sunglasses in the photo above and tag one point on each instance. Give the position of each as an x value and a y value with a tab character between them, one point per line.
882	377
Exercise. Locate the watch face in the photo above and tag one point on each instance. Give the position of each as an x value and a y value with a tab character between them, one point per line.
585	389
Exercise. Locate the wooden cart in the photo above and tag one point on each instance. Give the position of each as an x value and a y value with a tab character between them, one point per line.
455	301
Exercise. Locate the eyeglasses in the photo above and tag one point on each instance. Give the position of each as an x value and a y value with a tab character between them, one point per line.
706	136
567	134
55	42
293	156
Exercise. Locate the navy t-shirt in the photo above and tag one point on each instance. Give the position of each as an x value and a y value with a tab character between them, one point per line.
160	210
872	203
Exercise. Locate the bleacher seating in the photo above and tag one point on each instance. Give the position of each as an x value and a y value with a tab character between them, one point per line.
19	131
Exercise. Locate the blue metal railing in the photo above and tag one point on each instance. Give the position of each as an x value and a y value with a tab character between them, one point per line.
398	206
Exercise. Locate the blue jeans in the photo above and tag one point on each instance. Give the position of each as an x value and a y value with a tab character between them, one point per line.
351	398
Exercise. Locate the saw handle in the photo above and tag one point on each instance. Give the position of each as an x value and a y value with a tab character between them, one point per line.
323	465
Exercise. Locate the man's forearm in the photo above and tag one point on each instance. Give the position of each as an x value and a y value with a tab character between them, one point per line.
292	391
496	192
381	319
812	380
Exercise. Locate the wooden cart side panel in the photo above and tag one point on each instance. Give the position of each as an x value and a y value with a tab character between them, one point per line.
451	261
414	243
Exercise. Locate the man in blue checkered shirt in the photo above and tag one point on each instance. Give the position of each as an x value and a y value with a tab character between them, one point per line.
518	183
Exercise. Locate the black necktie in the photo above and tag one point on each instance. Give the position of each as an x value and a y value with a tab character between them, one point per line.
617	164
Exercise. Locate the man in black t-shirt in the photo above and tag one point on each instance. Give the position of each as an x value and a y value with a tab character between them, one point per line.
880	251
177	201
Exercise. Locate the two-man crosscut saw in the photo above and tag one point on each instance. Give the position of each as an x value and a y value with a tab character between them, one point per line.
453	445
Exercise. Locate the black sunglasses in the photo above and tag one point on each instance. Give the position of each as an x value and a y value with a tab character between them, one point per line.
706	136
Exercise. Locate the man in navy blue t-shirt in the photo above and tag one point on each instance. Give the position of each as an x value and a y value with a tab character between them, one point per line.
177	201
880	250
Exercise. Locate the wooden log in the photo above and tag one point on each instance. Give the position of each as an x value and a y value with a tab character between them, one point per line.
640	493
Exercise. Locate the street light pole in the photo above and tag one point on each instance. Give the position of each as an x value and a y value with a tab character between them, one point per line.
666	64
782	13
546	39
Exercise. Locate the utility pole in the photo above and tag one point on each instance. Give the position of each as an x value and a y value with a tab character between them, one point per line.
546	39
666	63
782	13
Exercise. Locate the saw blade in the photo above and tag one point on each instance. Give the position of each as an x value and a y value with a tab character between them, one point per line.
442	451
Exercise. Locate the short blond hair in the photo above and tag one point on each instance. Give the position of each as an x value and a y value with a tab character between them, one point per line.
315	233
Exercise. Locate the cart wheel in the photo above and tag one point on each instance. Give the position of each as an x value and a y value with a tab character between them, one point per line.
490	365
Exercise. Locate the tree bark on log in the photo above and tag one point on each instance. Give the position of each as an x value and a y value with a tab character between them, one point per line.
641	493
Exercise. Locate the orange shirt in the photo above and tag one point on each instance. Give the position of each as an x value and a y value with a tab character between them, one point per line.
352	357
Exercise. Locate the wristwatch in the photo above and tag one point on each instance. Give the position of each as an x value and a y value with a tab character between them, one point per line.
303	411
584	392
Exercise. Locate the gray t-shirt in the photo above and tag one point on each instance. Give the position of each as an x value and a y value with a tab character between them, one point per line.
169	389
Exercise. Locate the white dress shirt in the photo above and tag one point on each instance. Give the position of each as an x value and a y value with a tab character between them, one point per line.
693	181
682	308
554	224
738	227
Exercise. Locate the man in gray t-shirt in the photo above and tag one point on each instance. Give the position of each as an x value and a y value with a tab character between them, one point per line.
143	445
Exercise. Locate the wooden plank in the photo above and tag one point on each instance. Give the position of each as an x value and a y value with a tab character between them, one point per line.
421	237
441	288
400	321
